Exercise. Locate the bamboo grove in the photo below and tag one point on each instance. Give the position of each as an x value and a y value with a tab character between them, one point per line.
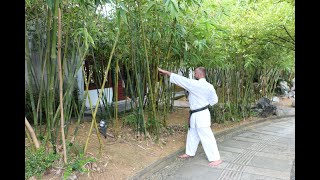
247	47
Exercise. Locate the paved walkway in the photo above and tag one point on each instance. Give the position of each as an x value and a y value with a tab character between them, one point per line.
265	151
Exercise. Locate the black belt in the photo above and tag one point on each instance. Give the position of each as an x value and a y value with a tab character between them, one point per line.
196	110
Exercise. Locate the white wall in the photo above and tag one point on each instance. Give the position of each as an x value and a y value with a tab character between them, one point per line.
94	93
108	92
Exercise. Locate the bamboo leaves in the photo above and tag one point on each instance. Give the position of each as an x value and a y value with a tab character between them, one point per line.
50	4
200	44
85	36
249	62
151	5
172	7
121	13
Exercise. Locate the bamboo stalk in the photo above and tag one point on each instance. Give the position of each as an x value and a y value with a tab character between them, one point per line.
102	86
148	67
46	57
93	123
61	89
33	135
51	78
116	98
29	138
29	82
140	113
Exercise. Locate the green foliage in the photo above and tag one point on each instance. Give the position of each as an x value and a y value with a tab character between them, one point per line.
153	126
186	127
74	149
172	7
77	164
130	120
36	163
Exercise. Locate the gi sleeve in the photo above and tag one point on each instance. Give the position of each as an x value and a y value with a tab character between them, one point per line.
185	83
213	98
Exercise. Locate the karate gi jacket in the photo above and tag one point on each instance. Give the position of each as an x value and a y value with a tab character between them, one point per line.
201	93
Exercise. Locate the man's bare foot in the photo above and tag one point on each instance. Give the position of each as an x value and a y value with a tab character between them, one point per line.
184	156
215	163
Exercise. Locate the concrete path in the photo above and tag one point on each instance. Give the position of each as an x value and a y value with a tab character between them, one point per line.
264	151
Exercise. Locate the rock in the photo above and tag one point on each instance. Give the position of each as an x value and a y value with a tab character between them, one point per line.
73	177
263	102
163	141
58	172
284	87
290	94
258	111
293	84
264	107
280	112
94	165
285	111
275	99
293	88
268	111
293	103
148	135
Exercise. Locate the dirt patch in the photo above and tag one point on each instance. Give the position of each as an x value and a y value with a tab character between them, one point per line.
124	156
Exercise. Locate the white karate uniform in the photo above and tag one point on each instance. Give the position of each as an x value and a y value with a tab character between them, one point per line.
201	93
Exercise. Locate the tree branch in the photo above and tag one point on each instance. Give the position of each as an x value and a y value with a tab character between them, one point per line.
288	33
293	49
266	40
292	42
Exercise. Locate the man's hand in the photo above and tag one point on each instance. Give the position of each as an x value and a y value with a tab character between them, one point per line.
164	72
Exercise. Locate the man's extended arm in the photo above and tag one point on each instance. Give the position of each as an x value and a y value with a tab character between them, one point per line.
164	72
185	83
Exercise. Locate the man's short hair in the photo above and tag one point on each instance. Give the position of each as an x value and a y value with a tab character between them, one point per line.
202	70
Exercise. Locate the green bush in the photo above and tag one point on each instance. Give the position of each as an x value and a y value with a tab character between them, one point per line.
130	120
37	162
77	164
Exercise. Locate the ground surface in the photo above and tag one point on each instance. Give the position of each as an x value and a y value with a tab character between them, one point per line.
126	155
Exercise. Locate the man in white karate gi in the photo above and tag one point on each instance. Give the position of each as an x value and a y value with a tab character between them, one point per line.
201	95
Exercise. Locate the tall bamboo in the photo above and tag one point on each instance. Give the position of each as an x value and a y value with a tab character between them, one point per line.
102	86
29	82
61	89
33	135
116	91
93	122
148	67
52	74
138	83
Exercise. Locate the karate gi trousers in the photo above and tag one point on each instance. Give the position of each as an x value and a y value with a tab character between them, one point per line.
200	131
